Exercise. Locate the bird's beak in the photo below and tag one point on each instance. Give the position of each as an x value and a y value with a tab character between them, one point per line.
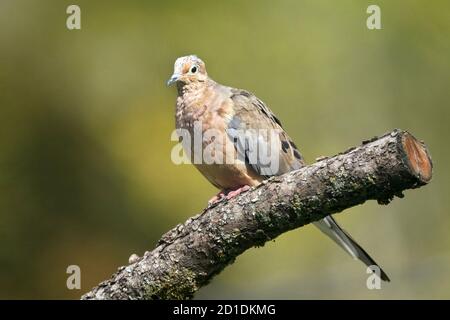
173	78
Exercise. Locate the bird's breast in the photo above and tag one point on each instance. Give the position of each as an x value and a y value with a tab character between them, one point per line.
204	114
203	106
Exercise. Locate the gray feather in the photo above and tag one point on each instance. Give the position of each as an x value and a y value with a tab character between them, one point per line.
330	227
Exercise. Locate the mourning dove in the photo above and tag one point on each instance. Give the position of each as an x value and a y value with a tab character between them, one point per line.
242	125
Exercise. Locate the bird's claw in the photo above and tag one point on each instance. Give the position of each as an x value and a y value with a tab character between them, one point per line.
237	192
227	195
217	198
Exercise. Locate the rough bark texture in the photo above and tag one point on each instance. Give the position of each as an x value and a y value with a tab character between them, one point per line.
188	256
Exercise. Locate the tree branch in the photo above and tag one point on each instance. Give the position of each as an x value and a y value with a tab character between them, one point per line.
188	256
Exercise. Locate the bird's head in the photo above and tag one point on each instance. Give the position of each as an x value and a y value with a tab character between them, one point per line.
188	69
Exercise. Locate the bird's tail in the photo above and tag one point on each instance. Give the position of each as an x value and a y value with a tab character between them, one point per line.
330	227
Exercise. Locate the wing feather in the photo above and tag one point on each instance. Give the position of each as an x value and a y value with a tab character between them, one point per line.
256	132
251	115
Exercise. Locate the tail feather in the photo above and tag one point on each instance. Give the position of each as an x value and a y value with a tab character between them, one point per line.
330	227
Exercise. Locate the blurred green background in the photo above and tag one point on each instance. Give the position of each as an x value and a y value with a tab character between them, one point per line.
85	123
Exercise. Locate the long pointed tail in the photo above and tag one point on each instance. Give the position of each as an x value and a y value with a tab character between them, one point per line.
330	227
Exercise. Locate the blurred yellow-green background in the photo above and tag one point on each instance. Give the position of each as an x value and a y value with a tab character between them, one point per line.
85	121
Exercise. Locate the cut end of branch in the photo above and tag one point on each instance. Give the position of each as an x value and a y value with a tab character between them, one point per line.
417	157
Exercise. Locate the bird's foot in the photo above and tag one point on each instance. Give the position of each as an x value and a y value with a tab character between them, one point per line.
217	198
236	192
227	195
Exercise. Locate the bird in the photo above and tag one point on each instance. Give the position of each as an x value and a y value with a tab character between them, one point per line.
233	113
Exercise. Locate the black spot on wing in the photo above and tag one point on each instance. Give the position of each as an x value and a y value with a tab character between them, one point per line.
297	154
295	150
276	120
293	144
284	146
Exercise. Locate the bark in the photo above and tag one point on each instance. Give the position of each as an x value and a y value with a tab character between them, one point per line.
188	256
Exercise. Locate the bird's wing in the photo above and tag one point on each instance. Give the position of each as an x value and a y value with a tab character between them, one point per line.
259	137
252	113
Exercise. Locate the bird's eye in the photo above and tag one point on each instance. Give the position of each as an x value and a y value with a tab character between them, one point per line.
194	69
